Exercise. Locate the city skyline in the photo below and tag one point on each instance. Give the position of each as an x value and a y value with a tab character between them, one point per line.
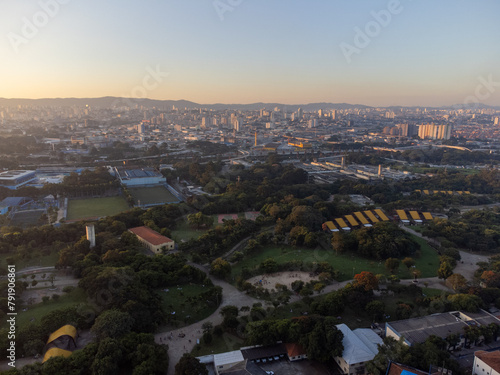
378	53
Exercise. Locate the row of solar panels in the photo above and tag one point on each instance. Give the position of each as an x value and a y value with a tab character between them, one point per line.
447	192
366	220
415	216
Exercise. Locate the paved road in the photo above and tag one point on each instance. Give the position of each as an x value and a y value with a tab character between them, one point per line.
178	346
467	265
35	269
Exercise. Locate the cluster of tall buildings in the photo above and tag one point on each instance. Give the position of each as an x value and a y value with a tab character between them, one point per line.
424	131
234	121
431	131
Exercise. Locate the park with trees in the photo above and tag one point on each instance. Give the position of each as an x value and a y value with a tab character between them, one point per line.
287	237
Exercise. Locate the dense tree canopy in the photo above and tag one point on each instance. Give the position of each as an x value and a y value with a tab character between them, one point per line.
189	365
319	336
112	324
382	241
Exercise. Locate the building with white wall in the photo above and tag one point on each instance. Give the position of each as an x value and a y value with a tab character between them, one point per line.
225	361
486	363
431	131
153	240
360	346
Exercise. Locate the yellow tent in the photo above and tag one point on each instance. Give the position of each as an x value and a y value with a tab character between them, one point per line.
67	330
55	352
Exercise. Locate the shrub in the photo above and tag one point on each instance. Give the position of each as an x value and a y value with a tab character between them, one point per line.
68	289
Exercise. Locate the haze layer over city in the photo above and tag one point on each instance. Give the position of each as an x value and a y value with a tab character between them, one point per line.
250	187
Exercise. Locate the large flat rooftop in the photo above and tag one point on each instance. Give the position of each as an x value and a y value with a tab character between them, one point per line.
130	173
12	175
417	330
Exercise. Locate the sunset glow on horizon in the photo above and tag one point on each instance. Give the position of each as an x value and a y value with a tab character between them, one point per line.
375	53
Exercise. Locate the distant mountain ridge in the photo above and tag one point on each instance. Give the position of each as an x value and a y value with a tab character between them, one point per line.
110	101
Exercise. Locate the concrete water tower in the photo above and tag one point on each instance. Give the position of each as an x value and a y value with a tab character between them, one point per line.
91	235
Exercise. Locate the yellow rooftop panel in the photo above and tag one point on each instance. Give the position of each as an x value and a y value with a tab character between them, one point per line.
426	192
427	215
460	192
415	215
467	192
351	220
330	225
68	330
402	214
435	191
341	223
381	214
372	217
418	191
450	192
55	352
361	218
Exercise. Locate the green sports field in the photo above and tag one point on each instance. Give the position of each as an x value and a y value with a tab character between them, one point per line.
95	207
152	195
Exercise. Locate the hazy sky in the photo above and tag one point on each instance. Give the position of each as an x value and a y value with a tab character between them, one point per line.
427	52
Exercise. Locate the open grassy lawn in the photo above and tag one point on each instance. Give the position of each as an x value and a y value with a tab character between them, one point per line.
418	228
39	310
176	300
347	264
183	232
430	292
291	310
342	262
152	195
39	261
95	207
219	344
428	262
